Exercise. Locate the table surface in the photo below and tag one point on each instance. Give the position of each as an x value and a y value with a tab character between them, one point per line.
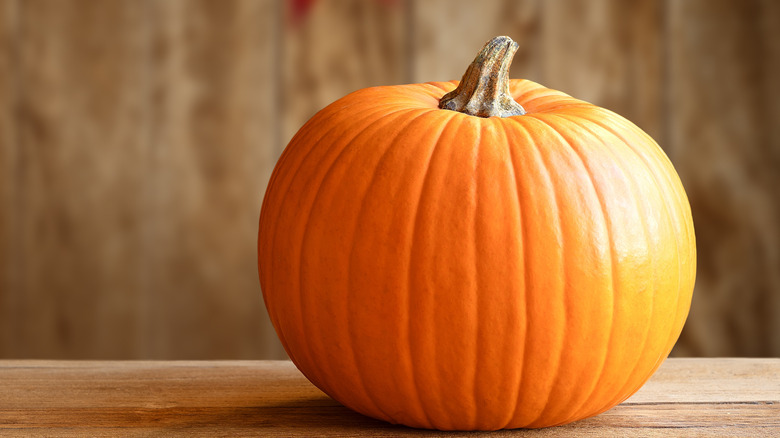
686	397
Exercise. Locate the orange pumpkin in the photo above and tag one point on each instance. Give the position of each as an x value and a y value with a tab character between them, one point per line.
466	267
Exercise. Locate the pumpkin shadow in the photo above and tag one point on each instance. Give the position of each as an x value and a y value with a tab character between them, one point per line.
322	417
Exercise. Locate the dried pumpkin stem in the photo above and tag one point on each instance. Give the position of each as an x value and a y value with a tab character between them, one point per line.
484	89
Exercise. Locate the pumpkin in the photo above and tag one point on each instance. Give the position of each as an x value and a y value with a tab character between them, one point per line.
475	255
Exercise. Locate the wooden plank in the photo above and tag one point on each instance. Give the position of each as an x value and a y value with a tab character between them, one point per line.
770	28
609	53
9	213
446	35
724	140
338	47
730	380
166	113
80	118
686	397
213	152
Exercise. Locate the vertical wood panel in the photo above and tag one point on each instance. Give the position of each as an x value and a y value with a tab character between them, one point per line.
770	28
136	139
80	120
610	53
724	145
448	34
340	46
213	154
9	245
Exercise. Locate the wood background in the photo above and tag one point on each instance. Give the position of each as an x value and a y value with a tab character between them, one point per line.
137	136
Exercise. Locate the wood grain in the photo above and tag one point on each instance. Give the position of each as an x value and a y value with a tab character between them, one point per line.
139	142
9	152
770	29
212	154
723	125
340	46
446	36
136	139
79	115
686	397
609	53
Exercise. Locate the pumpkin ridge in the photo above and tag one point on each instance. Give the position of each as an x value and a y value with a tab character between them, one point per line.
537	98
651	256
364	123
526	274
523	239
527	140
386	120
293	177
674	331
471	319
512	413
432	91
461	121
415	224
317	381
451	152
669	216
556	202
475	295
564	141
304	132
519	88
267	199
366	116
679	216
578	412
439	85
391	143
673	179
608	227
299	137
413	234
544	167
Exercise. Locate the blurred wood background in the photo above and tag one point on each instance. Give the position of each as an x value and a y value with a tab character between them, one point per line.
137	136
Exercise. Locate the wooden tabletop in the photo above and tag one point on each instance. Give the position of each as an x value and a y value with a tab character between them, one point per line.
686	397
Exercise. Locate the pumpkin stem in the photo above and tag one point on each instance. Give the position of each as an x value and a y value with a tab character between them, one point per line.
484	89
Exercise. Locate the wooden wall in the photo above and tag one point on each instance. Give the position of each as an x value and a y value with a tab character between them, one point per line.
137	136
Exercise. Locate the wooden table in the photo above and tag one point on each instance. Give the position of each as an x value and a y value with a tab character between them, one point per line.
686	397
